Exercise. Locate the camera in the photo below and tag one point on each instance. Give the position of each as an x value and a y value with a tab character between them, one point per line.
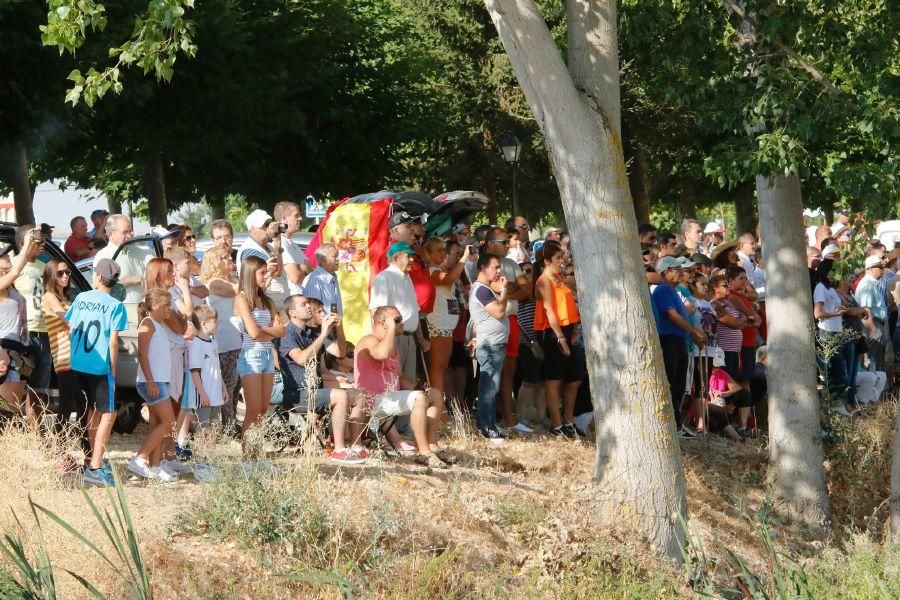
282	227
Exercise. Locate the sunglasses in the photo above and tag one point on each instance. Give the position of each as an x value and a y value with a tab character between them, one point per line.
64	273
526	226
500	241
190	237
398	320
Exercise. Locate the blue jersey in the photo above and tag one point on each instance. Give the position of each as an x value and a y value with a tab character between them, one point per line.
93	317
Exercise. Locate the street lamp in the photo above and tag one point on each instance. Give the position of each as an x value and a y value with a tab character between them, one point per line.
511	148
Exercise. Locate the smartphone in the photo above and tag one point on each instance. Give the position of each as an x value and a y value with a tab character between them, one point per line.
334	309
282	227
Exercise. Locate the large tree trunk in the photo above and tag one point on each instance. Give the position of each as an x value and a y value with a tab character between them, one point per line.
795	440
895	483
217	205
639	471
745	215
23	194
640	181
687	201
828	209
114	205
155	188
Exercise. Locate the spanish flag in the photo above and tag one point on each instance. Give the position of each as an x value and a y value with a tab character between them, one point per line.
360	233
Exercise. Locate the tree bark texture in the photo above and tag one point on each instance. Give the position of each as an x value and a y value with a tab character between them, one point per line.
114	205
745	212
795	442
687	201
217	205
639	473
895	483
23	195
154	181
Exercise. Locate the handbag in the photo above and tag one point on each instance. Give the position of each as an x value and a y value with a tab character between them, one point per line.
536	351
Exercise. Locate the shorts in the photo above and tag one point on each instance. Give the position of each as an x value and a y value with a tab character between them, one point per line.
459	356
39	345
512	343
260	361
440	326
557	366
100	391
393	404
209	417
529	368
164	392
12	373
747	364
299	400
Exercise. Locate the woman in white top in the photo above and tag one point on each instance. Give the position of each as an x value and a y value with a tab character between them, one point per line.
153	378
12	317
829	311
446	263
216	274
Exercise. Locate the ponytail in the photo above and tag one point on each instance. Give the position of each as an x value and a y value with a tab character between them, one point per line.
154	296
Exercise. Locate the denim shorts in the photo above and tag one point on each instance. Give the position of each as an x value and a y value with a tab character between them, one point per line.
256	362
163	392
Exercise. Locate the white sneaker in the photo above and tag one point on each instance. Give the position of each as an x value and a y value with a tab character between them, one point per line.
175	466
521	428
140	467
163	475
206	473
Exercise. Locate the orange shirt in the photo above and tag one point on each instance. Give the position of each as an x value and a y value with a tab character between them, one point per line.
563	305
58	332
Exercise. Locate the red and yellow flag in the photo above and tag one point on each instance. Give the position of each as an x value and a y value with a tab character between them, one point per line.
360	232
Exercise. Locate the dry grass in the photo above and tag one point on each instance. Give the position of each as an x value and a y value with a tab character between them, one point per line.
514	519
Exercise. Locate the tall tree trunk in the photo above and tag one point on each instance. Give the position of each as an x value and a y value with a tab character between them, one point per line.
490	189
23	194
795	440
895	483
155	188
114	205
639	473
687	201
828	209
217	205
640	180
745	214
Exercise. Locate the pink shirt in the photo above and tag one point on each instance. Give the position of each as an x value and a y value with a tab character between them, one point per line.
718	381
376	376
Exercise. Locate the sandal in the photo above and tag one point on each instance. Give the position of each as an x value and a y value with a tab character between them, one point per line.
445	456
430	460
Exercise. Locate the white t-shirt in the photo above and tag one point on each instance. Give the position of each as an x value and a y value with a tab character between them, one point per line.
158	354
512	271
292	255
393	287
203	356
132	261
832	303
277	290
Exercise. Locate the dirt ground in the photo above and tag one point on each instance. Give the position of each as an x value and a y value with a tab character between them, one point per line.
524	506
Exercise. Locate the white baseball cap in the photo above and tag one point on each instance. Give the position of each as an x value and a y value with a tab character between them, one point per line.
713	227
874	261
257	219
831	249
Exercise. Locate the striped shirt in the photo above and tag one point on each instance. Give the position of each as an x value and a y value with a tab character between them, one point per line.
728	339
526	318
263	318
58	332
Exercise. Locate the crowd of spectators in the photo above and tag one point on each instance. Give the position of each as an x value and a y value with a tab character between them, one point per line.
486	320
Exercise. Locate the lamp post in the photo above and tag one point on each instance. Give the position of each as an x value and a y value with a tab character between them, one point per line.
511	148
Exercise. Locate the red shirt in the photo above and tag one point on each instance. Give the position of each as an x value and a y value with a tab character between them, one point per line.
73	244
422	283
749	333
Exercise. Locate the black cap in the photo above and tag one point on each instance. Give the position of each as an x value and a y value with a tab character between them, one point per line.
399	218
99	213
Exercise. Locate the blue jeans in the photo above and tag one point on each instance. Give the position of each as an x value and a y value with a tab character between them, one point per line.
490	361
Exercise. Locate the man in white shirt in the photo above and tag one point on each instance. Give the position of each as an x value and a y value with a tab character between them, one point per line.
132	260
393	287
747	254
692	234
293	260
262	231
